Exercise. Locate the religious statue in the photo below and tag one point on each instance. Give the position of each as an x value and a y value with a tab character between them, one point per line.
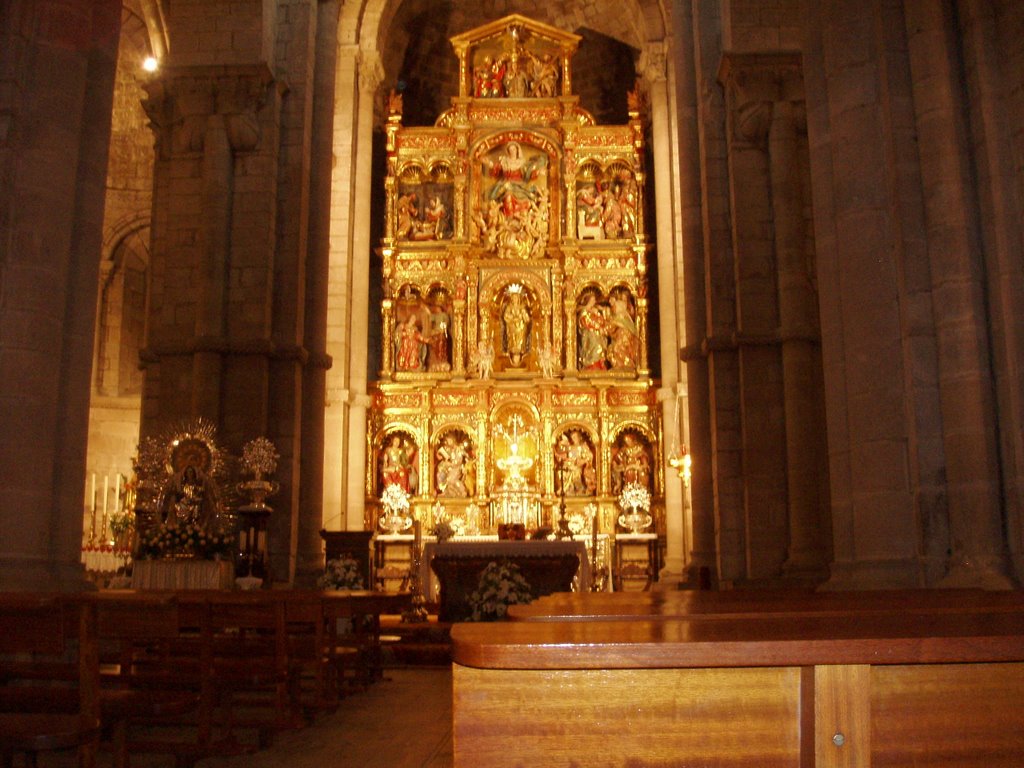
411	345
624	338
453	468
591	325
589	210
512	217
547	359
515	321
544	73
517	83
438	345
190	497
482	360
407	213
397	464
630	464
436	218
576	464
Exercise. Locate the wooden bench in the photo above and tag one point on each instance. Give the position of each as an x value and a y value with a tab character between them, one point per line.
751	603
48	654
896	679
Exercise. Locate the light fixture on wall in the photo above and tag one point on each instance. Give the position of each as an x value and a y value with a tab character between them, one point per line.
680	459
681	462
150	64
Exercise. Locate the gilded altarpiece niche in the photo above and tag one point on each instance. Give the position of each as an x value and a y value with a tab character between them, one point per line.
514	379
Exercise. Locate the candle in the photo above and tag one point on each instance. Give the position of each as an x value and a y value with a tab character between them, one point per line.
106	491
117	493
93	494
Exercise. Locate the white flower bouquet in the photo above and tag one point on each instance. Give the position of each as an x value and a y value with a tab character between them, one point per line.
501	585
173	539
341	573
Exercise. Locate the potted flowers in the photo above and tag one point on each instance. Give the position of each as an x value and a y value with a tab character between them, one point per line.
341	573
501	585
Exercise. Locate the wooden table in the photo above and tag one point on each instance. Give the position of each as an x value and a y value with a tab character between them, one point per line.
801	681
631	568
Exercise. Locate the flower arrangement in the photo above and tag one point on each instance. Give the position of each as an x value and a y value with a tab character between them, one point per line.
501	585
635	496
260	457
395	502
444	530
341	573
172	539
635	501
122	525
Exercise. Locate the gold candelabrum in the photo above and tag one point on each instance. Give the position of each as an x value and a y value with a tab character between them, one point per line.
417	611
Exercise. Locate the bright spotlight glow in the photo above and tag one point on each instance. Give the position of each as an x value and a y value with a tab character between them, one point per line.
150	64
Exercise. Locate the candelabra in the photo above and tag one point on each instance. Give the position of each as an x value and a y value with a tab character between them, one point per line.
416	613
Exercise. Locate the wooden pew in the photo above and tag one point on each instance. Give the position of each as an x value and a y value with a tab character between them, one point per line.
934	681
127	624
630	606
48	651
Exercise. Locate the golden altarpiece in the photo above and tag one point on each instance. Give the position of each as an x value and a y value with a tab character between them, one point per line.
514	376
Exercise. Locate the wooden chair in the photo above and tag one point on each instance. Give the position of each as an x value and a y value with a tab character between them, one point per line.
48	653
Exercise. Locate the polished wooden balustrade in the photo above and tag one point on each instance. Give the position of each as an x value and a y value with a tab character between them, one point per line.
745	679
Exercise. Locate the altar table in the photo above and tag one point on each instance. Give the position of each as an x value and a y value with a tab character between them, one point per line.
183	574
548	566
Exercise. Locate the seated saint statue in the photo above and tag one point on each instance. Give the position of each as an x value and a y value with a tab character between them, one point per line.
190	497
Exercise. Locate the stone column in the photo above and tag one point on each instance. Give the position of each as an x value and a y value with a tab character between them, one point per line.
371	73
799	335
57	64
958	283
309	555
752	87
342	189
865	231
655	69
993	63
215	238
699	496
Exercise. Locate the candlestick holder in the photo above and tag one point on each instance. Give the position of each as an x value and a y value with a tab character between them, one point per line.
416	613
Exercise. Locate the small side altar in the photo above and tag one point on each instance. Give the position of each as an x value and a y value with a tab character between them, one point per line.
183	574
547	566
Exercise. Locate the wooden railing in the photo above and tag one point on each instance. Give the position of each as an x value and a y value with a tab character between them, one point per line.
745	679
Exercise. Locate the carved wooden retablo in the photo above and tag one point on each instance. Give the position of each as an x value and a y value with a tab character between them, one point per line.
514	373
